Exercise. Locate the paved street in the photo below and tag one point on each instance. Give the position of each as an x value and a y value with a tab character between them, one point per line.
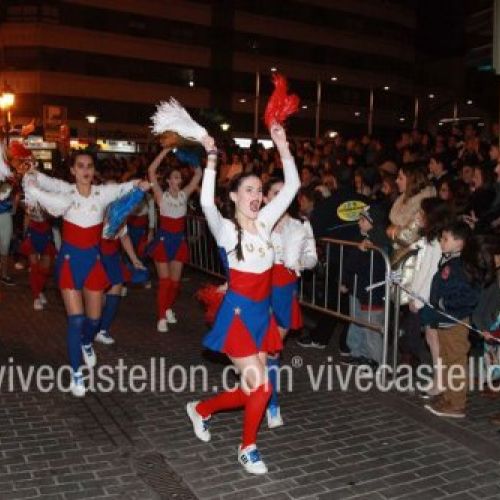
335	445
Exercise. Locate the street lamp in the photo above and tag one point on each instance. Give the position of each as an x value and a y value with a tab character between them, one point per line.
92	130
225	126
7	100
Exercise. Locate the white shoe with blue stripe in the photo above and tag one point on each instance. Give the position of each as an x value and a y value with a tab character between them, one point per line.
250	458
89	355
273	415
77	386
200	424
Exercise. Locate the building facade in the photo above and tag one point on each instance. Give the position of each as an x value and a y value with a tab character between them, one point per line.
116	58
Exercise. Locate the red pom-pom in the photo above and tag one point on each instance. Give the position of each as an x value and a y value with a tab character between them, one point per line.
211	297
280	105
17	150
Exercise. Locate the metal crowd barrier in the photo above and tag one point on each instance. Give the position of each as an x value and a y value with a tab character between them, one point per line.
319	288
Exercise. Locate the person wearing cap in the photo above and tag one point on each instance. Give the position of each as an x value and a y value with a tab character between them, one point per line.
361	270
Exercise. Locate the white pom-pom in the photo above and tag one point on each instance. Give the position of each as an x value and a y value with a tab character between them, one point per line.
173	117
56	204
5	171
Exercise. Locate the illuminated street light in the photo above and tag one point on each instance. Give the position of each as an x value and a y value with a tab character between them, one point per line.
243	100
191	83
357	113
274	68
304	106
469	102
431	96
225	126
333	78
91	119
386	88
7	100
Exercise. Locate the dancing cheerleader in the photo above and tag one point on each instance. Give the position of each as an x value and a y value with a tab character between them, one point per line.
79	271
38	246
169	248
118	275
245	328
294	250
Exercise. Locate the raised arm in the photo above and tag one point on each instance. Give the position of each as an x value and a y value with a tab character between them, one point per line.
50	184
110	192
271	213
195	180
56	204
207	201
157	191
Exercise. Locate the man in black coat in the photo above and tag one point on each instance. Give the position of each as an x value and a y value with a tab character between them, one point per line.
335	217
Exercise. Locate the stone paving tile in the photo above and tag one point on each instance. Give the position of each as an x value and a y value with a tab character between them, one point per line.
334	445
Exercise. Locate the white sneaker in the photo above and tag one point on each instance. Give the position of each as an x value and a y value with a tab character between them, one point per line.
43	299
124	291
250	458
104	338
37	305
162	325
200	424
89	355
273	415
170	316
77	386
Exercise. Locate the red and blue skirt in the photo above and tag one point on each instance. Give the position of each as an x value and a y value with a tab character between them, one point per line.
245	323
79	262
284	298
170	241
112	261
38	239
137	227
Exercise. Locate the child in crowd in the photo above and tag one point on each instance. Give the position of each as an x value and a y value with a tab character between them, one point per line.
366	344
453	293
434	215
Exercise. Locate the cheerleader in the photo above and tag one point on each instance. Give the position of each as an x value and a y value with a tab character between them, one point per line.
294	250
38	246
169	248
245	328
118	275
79	271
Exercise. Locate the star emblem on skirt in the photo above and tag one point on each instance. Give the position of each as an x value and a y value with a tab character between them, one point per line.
237	311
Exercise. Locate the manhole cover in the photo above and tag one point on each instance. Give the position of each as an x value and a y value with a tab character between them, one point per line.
157	474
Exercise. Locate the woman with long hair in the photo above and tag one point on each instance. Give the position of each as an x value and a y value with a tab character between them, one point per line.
169	248
294	250
245	328
79	271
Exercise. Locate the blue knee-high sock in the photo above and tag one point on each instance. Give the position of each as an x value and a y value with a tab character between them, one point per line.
273	365
74	340
109	311
90	329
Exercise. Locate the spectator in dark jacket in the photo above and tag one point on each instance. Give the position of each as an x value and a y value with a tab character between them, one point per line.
335	217
453	293
361	270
